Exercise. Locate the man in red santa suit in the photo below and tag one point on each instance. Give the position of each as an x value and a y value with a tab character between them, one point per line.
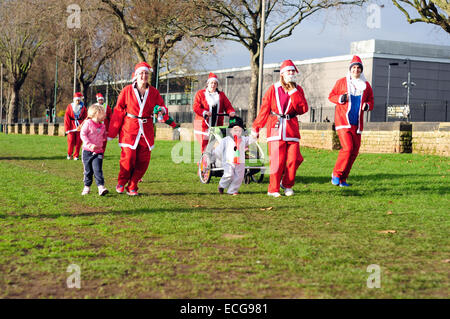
132	120
75	114
101	102
208	102
281	104
352	95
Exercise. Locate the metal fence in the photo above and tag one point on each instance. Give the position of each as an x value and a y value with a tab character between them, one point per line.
188	117
418	112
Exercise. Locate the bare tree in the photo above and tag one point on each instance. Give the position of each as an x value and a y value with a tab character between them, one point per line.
152	28
435	12
97	41
240	21
23	34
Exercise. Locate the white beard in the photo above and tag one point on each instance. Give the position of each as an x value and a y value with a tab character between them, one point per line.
288	78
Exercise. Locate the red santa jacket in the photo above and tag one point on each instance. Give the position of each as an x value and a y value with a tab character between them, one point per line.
201	106
341	112
132	118
288	129
71	122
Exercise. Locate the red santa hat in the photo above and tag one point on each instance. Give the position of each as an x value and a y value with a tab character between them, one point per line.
141	66
77	96
356	61
287	65
99	96
212	77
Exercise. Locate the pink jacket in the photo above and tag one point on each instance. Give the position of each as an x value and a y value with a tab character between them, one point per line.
93	135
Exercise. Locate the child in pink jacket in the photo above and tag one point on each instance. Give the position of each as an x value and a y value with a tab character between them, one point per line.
93	134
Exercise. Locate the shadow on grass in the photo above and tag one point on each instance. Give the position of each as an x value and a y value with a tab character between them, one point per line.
43	158
357	178
140	211
31	158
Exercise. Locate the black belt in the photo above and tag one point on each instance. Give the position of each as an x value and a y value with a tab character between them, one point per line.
144	119
286	116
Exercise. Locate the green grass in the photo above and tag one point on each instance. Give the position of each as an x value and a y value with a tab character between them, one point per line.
180	239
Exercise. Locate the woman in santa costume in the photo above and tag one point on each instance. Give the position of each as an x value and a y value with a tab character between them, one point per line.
281	104
132	119
75	114
352	95
207	104
101	102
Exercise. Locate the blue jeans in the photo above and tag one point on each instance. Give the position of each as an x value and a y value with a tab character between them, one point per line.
93	163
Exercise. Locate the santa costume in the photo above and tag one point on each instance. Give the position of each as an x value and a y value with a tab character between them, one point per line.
108	111
279	110
231	152
132	120
75	114
352	96
215	103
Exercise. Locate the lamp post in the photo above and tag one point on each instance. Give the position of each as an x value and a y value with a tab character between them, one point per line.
408	85
261	55
226	83
388	86
192	91
75	69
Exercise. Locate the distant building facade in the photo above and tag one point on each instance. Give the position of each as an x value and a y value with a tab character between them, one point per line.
384	61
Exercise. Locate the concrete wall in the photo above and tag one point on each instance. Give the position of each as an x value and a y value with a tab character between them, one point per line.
431	138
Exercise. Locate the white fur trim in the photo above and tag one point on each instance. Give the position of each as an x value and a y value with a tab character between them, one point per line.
201	133
287	68
142	68
292	91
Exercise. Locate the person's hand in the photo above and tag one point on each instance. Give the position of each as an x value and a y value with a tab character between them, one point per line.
366	107
343	98
207	114
232	114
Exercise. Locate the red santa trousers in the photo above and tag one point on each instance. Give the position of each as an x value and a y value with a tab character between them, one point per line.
285	158
350	143
73	141
133	164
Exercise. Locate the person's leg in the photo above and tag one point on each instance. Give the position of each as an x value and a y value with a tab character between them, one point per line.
293	161
97	164
143	155
237	178
77	143
70	143
225	181
345	137
127	161
277	157
356	140
88	171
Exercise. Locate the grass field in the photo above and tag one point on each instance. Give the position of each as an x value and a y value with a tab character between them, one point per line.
180	239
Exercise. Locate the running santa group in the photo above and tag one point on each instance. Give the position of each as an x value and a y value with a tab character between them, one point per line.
139	102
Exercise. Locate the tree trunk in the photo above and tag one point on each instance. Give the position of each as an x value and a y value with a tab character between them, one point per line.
152	52
253	96
13	113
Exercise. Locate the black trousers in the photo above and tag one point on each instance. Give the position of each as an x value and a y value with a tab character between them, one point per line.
93	163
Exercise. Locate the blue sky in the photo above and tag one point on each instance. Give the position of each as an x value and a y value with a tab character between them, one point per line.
330	33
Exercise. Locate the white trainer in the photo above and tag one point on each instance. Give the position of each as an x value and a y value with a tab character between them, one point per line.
86	190
102	190
276	194
68	157
75	158
288	191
